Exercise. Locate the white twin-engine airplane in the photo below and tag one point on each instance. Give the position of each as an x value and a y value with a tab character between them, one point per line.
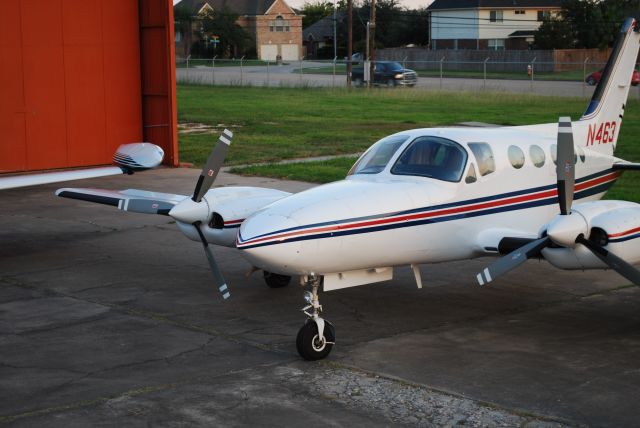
424	196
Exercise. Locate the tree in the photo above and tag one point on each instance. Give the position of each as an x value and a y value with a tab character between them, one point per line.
233	39
314	11
585	24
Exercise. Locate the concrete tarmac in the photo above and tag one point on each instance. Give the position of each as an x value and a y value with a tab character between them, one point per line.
111	319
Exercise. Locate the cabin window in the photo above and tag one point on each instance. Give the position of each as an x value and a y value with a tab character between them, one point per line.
516	156
432	157
484	156
378	156
537	156
554	154
471	174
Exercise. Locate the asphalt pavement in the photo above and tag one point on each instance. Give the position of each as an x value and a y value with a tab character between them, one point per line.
289	76
110	318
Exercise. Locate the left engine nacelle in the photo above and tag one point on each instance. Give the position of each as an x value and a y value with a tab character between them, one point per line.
228	207
614	225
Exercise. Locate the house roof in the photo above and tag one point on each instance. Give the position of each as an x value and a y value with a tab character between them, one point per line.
522	33
498	4
322	29
241	7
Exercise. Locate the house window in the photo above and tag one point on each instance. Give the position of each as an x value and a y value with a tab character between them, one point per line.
543	14
271	25
495	16
279	24
287	26
520	12
496	44
178	36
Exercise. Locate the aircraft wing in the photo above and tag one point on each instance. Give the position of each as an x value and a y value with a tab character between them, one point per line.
134	200
24	180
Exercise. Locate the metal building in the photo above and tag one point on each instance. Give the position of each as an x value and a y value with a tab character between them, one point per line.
80	77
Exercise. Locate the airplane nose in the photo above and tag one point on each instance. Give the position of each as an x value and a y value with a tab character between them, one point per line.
264	241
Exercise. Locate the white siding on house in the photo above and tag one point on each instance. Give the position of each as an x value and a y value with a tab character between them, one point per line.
444	24
511	22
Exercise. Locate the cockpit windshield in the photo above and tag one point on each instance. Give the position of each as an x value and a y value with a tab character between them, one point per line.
432	157
377	157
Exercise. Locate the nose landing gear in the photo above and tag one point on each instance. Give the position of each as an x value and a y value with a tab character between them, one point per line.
317	336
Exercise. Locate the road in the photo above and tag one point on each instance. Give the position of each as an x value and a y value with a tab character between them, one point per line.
288	76
110	318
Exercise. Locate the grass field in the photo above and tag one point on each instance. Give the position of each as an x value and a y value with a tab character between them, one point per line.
279	123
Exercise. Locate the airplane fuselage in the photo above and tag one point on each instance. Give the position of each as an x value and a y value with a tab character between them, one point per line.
388	218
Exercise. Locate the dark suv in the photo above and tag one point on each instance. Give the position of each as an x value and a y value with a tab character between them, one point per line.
387	73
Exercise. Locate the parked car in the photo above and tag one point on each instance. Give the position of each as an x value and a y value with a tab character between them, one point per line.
356	58
389	73
595	77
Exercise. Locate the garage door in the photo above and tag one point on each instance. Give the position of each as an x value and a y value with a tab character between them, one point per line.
268	52
290	52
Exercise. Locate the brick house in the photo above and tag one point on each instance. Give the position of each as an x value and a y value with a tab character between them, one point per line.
487	24
273	24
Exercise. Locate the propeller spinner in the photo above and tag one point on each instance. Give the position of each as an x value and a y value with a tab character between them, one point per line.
566	229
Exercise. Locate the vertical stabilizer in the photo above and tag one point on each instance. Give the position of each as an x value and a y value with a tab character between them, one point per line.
601	121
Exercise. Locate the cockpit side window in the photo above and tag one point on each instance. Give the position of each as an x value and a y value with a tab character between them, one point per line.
484	156
432	157
378	156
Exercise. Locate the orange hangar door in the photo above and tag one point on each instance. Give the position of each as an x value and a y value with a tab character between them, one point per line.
70	82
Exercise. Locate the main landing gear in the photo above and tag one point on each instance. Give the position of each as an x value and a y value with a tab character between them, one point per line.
317	336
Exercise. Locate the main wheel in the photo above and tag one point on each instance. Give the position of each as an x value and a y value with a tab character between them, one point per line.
309	346
591	81
275	280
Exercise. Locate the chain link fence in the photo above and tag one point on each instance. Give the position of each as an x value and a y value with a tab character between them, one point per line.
487	74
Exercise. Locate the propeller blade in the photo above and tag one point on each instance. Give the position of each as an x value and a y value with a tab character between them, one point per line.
145	206
217	274
613	261
565	168
212	167
512	260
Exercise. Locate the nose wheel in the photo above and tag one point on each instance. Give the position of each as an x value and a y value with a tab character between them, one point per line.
317	336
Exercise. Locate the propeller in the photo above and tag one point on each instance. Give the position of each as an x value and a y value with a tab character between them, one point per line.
565	230
195	211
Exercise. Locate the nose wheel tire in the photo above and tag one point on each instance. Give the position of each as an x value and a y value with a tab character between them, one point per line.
310	347
275	280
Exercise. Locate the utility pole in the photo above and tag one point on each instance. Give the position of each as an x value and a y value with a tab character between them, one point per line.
335	33
372	42
350	41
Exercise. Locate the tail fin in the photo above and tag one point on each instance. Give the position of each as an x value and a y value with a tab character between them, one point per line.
600	123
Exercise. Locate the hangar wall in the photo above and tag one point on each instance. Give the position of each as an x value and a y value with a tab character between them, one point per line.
75	76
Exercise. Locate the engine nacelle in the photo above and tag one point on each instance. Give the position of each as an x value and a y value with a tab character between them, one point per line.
614	225
228	207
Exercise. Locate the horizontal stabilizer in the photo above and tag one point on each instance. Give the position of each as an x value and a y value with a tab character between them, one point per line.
626	166
133	200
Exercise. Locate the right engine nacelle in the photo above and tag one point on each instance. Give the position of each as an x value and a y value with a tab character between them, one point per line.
614	225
